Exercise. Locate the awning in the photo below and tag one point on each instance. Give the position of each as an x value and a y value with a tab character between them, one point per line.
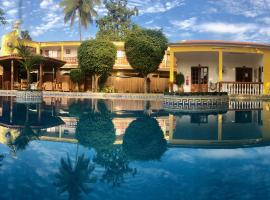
5	61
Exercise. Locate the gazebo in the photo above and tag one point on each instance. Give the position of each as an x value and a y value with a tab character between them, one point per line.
46	75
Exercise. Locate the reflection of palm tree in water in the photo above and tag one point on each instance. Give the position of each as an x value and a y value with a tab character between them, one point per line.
25	136
75	179
116	165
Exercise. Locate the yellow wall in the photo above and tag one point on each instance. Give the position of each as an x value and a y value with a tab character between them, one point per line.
266	71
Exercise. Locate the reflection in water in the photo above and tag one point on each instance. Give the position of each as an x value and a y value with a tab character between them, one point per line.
127	151
144	139
75	178
115	163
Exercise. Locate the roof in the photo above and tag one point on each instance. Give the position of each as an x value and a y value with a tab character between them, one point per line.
220	43
5	60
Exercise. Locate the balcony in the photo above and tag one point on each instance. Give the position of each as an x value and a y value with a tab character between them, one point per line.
121	61
71	60
240	88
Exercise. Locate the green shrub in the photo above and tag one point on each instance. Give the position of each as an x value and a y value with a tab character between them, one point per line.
180	79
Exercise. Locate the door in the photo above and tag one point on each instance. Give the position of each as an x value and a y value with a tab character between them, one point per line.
244	74
199	79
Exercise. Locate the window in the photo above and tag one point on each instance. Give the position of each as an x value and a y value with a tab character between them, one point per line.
199	75
121	54
68	51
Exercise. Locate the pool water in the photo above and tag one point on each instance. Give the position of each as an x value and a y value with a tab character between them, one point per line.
120	149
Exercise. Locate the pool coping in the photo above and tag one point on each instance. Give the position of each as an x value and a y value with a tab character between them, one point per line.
128	96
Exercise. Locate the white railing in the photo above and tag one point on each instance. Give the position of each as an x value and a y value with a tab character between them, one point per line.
248	88
245	105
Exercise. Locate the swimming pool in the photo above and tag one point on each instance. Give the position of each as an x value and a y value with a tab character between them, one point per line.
121	149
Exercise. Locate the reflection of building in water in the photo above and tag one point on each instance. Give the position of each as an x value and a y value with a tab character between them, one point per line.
242	125
54	122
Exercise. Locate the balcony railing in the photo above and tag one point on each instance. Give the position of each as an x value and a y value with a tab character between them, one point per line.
71	60
121	61
240	88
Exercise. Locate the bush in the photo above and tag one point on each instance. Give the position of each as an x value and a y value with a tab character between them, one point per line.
179	79
76	76
145	50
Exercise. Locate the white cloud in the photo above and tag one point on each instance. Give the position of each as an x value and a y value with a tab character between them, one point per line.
225	28
247	8
185	24
155	6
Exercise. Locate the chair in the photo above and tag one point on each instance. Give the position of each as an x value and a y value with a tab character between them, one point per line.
17	86
23	84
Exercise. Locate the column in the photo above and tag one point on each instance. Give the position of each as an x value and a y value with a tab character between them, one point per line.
12	75
172	62
62	52
219	127
40	76
266	72
53	79
220	66
171	118
38	49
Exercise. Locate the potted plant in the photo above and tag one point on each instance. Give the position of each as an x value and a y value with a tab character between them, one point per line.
179	81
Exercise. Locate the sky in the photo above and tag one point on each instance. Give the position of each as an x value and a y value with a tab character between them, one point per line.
230	20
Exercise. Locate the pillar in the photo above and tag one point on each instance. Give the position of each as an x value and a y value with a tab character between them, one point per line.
53	78
171	119
40	76
38	49
220	66
62	52
12	75
220	127
172	63
266	72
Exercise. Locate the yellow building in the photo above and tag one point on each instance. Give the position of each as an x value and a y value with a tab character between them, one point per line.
122	79
233	67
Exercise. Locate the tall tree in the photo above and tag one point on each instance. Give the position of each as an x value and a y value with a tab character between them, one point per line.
145	49
117	23
25	35
84	9
2	18
97	57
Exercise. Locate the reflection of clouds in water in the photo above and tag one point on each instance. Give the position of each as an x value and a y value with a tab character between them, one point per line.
183	156
191	155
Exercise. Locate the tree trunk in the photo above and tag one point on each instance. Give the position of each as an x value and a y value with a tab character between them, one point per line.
93	83
80	25
28	80
145	85
96	83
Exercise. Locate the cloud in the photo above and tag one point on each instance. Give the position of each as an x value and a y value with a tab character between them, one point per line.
155	6
247	8
225	28
52	20
185	24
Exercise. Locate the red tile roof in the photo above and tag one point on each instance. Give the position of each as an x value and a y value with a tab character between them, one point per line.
219	42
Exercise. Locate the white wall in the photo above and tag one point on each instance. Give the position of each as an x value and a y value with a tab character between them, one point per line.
187	60
73	52
192	59
232	61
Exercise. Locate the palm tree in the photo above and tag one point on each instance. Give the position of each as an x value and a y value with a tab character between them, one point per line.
25	35
2	18
85	9
74	179
29	60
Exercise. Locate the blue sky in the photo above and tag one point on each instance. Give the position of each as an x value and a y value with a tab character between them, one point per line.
235	20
